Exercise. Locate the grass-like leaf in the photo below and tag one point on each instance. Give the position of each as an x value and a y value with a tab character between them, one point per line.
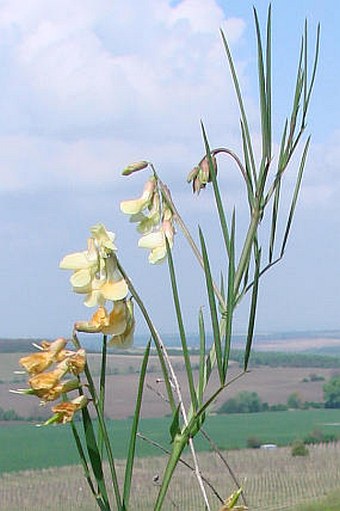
101	402
212	307
230	299
253	306
240	102
262	86
85	466
95	458
295	196
134	430
175	428
181	328
201	371
217	194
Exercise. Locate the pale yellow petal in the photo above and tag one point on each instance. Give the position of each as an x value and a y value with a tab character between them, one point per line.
118	319
81	281
94	299
114	290
152	240
75	261
104	238
134	206
157	254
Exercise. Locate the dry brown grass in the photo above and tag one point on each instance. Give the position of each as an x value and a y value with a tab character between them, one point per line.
272	480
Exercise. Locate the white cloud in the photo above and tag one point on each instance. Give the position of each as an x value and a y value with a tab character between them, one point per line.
89	84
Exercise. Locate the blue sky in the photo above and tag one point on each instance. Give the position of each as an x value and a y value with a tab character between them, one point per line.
89	86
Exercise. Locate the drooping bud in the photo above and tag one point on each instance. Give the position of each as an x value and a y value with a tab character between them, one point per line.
200	175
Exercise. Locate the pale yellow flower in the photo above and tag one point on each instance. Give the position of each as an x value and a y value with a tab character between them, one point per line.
134	206
104	240
156	242
110	285
119	323
124	339
95	271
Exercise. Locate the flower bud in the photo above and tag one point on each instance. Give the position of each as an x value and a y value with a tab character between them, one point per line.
200	175
135	167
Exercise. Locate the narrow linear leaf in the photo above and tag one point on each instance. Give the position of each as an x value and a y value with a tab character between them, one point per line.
253	306
95	457
106	440
295	196
275	212
134	430
240	101
315	65
154	335
175	428
296	103
87	475
201	382
230	299
218	199
251	177
269	82
101	402
305	85
212	306
186	356
262	86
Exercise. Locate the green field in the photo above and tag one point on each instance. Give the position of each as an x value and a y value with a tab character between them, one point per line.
24	446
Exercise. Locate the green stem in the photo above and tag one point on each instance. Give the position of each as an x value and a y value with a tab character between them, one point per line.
244	258
102	389
102	426
155	335
178	447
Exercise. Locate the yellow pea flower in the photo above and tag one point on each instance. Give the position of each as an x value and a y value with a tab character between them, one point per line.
155	242
124	339
134	206
95	271
119	323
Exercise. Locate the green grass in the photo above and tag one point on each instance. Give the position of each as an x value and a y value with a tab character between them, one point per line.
24	446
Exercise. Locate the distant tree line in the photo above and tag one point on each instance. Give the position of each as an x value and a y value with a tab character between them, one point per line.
250	402
280	359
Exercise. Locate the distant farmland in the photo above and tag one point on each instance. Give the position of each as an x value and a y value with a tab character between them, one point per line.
272	481
273	384
24	446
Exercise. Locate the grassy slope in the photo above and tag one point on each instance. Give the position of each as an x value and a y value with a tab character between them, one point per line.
24	446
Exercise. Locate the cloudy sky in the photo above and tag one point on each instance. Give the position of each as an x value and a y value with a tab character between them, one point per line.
89	86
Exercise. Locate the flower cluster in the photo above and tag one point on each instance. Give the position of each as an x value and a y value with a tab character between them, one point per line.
96	274
201	174
95	271
154	218
48	370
